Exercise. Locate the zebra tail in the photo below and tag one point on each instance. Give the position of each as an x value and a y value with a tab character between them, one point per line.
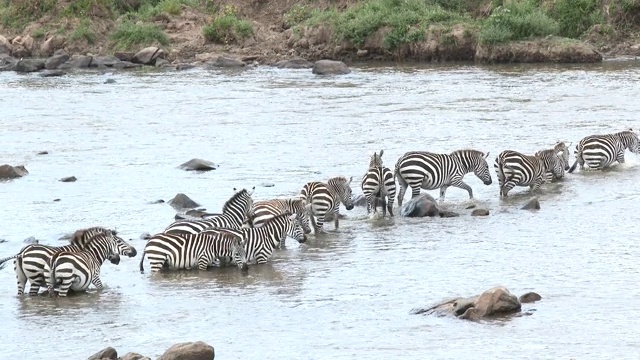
52	273
142	262
3	262
574	166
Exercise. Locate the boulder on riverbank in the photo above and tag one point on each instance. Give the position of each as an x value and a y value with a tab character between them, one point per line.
189	350
420	206
106	353
182	201
494	302
330	67
198	165
12	172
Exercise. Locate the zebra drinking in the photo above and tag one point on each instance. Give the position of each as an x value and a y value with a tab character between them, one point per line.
516	169
378	184
259	243
32	262
234	213
558	160
324	199
601	151
186	251
77	270
267	209
430	171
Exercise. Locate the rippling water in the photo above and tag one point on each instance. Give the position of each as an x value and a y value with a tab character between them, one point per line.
350	293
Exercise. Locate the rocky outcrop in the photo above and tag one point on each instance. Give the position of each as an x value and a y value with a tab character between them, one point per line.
56	60
52	44
133	356
226	62
5	46
52	73
148	55
22	46
198	165
12	172
420	206
29	65
182	201
330	67
189	351
492	303
107	353
533	204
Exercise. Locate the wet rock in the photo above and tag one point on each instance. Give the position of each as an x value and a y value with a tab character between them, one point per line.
124	56
200	213
148	55
294	64
266	184
5	46
529	297
330	67
52	73
77	62
133	356
7	63
162	63
126	65
362	53
448	214
60	52
420	206
43	153
181	67
55	61
52	44
110	81
182	201
533	204
198	165
105	61
68	179
160	201
55	200
22	46
472	206
29	65
107	353
145	236
3	241
12	172
30	240
189	351
225	62
480	212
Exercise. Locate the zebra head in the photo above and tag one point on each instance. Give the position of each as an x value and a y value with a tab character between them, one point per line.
561	150
239	254
82	236
476	161
630	140
241	205
376	159
552	160
342	186
300	206
294	228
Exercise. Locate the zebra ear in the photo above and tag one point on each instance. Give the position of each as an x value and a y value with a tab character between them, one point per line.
293	216
381	152
252	190
486	155
350	179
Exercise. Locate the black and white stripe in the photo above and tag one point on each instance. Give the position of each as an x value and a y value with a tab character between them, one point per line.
187	251
267	209
430	171
378	184
32	262
516	169
259	243
323	200
601	151
557	160
77	270
234	213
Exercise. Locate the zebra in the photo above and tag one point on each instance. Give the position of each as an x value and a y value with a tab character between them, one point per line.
234	212
32	262
267	209
516	169
324	199
259	243
430	171
77	270
185	251
379	184
601	151
558	160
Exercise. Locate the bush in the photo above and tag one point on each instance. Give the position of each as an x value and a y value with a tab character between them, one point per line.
17	14
517	21
128	34
227	28
575	16
83	32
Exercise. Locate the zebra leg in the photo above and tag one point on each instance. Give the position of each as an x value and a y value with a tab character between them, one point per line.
508	185
34	287
403	188
95	280
318	224
443	190
383	201
336	218
21	278
390	205
63	290
459	184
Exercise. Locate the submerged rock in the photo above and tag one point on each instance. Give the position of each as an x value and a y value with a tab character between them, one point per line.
30	240
107	353
294	64
330	67
225	62
52	73
189	351
29	65
145	236
480	212
198	165
420	206
148	55
133	356
182	201
12	172
529	297
448	214
42	153
533	204
68	179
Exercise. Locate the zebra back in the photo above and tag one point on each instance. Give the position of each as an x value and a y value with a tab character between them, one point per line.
555	161
106	246
82	236
266	209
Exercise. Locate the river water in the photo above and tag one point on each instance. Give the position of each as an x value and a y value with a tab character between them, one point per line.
348	294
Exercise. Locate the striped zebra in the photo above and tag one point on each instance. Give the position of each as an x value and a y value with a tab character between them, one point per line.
187	251
378	184
77	270
601	151
324	199
32	262
259	243
558	160
234	213
516	169
267	209
430	171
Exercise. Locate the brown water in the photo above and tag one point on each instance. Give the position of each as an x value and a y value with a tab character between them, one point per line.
350	293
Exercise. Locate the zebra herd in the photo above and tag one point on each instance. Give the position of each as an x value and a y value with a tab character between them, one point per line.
248	232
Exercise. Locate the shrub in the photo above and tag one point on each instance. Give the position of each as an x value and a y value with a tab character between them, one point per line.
517	21
128	34
83	32
227	28
575	16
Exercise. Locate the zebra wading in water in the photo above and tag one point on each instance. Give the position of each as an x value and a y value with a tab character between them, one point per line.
557	160
378	184
516	169
32	262
599	152
267	209
324	199
259	243
234	213
187	251
430	171
77	270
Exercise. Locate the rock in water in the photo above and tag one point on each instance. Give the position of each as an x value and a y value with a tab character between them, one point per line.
530	297
107	353
330	67
533	204
480	212
69	179
198	165
294	64
420	206
133	356
189	351
12	172
182	201
148	55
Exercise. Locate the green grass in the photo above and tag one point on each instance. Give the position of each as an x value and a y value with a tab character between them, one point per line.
128	34
574	17
520	20
227	28
83	32
39	33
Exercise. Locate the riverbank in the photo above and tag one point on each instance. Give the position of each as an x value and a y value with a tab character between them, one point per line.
192	31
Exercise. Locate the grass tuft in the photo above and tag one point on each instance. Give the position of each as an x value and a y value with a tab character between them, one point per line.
128	34
227	28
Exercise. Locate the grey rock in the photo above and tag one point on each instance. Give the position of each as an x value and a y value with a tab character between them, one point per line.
160	201
77	62
148	55
198	165
330	67
182	201
225	62
145	236
29	65
420	206
448	214
55	200
189	351
60	52
7	62
106	61
133	356
52	73
472	206
30	240
110	81
126	65
294	64
124	56
265	184
181	67
43	153
107	353
533	204
162	63
12	172
480	212
3	241
55	61
529	297
69	179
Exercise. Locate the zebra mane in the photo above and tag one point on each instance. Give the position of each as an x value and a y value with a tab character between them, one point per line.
285	214
341	179
471	152
235	197
80	236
